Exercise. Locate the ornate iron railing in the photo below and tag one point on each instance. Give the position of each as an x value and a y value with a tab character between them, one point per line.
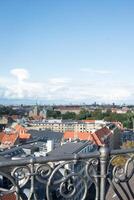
100	175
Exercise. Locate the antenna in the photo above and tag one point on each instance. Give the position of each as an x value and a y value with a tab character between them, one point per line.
133	123
36	102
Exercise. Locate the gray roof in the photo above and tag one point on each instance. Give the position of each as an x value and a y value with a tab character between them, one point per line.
46	135
37	144
14	151
69	148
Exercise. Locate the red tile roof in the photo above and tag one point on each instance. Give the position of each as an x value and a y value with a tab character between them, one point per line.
84	136
19	128
100	134
97	140
22	131
24	135
78	135
97	137
1	136
8	197
9	138
69	134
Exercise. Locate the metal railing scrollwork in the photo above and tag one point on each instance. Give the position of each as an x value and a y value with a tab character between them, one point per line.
99	175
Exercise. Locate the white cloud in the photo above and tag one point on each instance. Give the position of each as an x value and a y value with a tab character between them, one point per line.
100	71
59	80
19	86
103	71
20	73
24	90
57	84
115	94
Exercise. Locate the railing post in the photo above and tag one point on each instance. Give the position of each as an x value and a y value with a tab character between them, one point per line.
32	194
104	157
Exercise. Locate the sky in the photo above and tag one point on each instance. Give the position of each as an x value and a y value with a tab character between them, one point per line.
67	51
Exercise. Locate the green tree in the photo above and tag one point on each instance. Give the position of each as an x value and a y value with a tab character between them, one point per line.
53	114
69	115
84	114
97	114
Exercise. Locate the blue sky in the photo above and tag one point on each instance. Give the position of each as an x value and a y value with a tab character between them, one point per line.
71	51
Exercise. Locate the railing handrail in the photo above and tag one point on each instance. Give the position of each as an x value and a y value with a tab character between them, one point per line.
66	157
46	159
121	151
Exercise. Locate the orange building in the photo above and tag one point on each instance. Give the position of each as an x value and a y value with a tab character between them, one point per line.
97	137
17	134
22	132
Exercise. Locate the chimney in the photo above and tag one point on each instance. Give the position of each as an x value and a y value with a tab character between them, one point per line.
50	145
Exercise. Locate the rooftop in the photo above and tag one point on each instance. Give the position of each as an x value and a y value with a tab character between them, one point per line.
70	148
97	137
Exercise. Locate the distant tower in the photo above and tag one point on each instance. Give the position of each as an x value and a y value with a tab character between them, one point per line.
43	113
30	113
35	110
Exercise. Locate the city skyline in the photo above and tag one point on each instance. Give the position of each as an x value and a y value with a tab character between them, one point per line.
67	51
